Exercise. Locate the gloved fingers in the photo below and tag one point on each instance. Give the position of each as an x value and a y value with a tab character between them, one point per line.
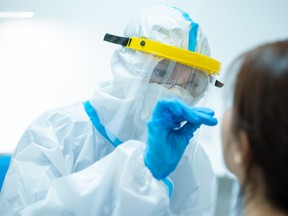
169	112
192	115
185	106
167	107
188	130
177	104
204	110
203	118
198	115
176	111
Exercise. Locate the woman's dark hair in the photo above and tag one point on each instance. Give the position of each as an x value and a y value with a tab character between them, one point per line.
261	109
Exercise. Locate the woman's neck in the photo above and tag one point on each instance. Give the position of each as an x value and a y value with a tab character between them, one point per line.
258	206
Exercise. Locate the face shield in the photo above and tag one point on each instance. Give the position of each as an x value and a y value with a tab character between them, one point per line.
172	72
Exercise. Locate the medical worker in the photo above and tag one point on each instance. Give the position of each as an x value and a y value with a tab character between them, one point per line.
91	158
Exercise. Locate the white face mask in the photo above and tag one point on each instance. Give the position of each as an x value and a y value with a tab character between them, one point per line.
177	90
156	91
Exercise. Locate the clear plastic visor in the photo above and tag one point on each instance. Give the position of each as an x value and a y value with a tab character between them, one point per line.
170	74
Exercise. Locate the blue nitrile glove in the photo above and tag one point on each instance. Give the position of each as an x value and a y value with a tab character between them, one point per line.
166	139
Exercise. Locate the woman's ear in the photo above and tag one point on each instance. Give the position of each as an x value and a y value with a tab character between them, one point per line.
236	147
241	155
237	158
244	145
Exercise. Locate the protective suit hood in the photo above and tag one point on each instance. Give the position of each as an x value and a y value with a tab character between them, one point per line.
124	96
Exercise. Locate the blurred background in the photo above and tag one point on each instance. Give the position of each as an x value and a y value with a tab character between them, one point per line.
52	54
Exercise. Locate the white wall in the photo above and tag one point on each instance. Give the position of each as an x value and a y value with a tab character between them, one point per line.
55	58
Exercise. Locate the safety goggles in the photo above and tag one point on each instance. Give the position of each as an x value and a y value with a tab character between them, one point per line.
171	74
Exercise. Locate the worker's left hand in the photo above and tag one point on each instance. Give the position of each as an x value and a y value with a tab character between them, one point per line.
167	139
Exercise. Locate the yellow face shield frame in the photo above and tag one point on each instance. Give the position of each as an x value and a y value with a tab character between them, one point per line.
186	57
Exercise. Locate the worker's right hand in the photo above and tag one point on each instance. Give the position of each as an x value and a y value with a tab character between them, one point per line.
167	138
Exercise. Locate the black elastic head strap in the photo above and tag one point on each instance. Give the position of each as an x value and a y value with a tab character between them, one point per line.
219	84
116	39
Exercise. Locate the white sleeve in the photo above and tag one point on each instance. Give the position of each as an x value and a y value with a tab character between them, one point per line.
118	184
53	172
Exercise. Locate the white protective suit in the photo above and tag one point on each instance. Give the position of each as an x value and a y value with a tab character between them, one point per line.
65	165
